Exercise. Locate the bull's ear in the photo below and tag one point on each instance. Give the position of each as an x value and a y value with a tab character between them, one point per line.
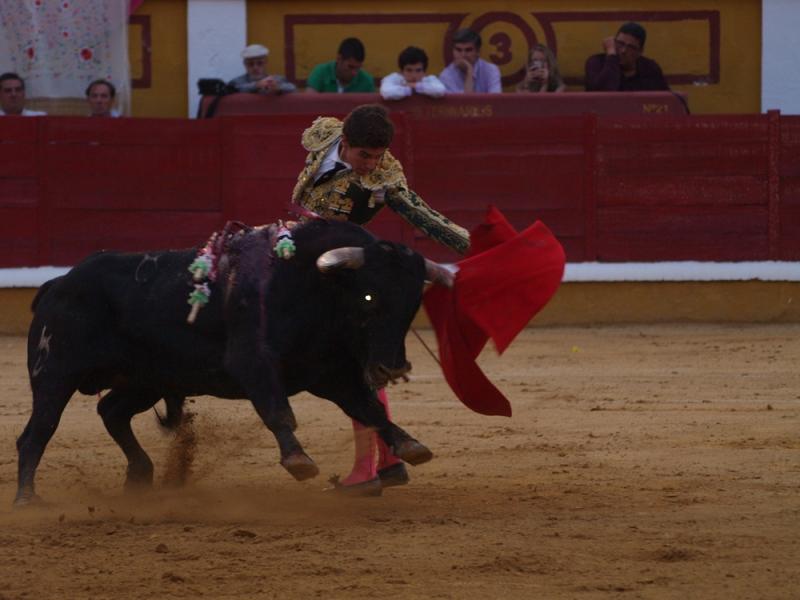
438	273
349	257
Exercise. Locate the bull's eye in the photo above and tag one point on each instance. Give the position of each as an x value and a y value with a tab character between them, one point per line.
368	297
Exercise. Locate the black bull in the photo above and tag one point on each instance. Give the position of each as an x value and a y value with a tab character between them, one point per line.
331	323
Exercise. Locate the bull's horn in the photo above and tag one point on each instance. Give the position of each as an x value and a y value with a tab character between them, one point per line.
349	257
442	274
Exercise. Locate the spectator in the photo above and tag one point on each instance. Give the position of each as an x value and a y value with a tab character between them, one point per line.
413	63
622	68
351	175
256	79
343	75
12	97
100	95
541	72
468	72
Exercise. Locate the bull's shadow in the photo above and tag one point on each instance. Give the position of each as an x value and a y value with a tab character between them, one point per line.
331	320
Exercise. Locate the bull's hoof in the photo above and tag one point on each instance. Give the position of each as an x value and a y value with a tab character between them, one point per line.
137	479
25	499
412	452
300	466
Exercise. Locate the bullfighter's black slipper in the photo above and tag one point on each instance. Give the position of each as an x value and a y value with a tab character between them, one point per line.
393	475
372	487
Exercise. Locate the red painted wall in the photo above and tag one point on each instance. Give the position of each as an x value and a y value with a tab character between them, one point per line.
612	188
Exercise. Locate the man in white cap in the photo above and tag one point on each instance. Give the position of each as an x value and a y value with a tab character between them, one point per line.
256	80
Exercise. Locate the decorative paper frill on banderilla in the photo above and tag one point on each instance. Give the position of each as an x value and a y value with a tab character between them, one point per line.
506	279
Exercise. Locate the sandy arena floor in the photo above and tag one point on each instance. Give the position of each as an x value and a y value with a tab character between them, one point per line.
641	462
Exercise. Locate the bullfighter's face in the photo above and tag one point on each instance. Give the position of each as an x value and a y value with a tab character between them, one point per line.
363	160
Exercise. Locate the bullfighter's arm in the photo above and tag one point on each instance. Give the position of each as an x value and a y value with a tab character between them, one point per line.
435	225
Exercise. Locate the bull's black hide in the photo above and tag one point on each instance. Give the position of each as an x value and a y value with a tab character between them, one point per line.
272	328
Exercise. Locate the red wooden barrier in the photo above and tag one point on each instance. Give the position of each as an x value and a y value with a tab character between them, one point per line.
19	191
612	188
789	188
471	106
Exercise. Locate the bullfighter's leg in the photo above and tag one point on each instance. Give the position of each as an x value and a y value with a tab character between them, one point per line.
364	468
117	408
361	404
49	400
391	469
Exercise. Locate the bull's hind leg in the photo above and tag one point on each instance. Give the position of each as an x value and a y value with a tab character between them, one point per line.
49	401
117	408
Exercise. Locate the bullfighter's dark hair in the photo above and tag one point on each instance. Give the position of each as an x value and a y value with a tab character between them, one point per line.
12	76
467	36
412	56
368	126
636	31
112	90
352	48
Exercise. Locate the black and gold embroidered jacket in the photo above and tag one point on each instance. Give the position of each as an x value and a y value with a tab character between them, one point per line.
350	196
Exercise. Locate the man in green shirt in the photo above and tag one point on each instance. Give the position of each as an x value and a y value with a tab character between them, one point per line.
343	74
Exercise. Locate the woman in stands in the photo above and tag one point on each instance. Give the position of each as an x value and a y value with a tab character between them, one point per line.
541	72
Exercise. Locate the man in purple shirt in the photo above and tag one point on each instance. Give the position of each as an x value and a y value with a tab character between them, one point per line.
468	72
622	68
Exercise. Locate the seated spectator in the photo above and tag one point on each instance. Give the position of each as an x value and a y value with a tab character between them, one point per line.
413	63
343	75
100	95
468	72
12	97
256	80
541	72
622	68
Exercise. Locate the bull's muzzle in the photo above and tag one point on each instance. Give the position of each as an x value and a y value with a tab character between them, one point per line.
379	376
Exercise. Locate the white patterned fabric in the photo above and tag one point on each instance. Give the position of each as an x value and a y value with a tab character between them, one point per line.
59	46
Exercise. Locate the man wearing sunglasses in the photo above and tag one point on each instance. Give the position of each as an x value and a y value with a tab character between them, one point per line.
622	68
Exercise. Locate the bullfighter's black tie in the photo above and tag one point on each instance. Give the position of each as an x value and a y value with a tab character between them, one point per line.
327	175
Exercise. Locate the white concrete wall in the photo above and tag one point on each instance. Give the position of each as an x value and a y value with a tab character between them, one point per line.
780	56
217	33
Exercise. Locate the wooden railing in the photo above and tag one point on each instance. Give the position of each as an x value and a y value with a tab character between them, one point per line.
612	188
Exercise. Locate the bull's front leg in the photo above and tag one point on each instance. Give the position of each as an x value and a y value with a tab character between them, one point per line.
361	403
402	445
277	415
257	375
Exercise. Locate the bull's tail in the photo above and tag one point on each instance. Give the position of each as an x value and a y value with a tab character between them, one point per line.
174	416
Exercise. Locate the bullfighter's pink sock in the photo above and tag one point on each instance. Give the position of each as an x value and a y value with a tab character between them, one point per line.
364	464
385	456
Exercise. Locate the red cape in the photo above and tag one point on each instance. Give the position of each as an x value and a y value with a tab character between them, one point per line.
505	280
